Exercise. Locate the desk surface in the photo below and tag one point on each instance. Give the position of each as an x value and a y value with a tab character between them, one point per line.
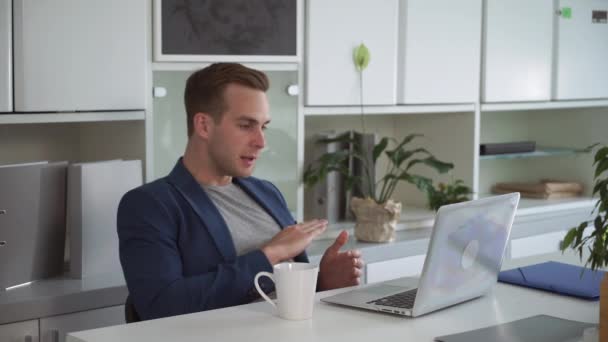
258	322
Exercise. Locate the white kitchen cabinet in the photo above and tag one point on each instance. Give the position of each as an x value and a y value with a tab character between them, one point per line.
517	50
334	29
439	51
55	329
6	55
395	268
581	70
26	331
79	55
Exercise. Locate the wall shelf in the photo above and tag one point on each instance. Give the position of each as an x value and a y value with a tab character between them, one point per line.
411	218
540	152
59	117
496	107
533	206
381	110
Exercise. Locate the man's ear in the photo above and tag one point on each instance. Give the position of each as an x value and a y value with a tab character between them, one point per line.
203	124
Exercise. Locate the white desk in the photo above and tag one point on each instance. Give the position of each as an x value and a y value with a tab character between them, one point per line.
256	322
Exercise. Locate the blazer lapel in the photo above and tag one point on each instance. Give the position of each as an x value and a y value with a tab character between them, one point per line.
192	191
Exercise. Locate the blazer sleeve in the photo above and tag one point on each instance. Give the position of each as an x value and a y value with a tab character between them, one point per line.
151	261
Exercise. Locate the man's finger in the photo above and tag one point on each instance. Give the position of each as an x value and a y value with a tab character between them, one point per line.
316	231
312	225
315	228
339	242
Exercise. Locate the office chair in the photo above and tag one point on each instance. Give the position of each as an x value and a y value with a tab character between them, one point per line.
131	315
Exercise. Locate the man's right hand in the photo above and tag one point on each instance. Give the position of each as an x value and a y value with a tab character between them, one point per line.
292	240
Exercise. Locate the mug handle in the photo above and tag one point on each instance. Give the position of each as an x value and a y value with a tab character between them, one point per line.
257	286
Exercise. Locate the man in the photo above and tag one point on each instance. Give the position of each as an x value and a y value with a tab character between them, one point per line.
195	239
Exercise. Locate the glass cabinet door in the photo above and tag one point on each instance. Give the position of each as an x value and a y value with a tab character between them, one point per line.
278	162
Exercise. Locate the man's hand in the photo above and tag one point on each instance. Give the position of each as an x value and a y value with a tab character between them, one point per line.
292	240
339	269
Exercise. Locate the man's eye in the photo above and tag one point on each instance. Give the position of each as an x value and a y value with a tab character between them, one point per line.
264	128
244	126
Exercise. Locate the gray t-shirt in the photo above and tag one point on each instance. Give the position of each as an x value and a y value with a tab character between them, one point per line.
249	224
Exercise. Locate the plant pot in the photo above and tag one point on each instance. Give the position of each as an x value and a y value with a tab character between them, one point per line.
375	222
604	308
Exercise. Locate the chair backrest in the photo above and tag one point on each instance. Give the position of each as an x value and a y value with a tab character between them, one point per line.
131	315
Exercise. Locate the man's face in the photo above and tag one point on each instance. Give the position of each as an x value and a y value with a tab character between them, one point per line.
236	141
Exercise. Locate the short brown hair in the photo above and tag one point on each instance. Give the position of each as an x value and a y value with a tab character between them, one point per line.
205	88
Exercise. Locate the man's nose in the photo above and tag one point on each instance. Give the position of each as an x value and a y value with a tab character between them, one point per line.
259	140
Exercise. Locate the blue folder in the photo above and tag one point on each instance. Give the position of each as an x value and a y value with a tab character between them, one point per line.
558	278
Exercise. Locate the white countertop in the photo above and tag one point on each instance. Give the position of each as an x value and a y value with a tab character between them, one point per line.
258	322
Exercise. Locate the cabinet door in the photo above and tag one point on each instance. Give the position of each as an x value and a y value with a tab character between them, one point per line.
582	50
439	51
334	29
6	54
392	269
517	50
55	329
26	331
80	55
212	30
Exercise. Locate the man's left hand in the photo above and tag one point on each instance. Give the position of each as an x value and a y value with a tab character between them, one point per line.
339	269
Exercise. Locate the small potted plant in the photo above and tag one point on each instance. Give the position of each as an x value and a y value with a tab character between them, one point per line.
376	212
447	193
596	243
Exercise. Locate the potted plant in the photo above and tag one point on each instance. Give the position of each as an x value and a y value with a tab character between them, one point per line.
375	211
447	193
595	243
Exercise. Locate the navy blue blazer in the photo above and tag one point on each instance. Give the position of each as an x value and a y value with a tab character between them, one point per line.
177	253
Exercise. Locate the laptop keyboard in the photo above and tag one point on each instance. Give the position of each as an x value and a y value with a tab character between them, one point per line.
403	300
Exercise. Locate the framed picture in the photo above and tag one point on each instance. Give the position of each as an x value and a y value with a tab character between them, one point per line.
226	30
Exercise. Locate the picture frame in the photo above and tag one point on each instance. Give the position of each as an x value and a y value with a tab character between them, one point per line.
220	30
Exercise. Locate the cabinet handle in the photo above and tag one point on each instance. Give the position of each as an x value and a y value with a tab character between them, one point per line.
28	338
2	211
292	90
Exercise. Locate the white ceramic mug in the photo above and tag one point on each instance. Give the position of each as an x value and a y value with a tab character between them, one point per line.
295	284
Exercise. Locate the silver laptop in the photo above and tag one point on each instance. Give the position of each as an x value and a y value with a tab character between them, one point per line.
463	260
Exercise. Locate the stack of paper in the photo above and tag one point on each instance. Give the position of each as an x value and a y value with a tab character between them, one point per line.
94	192
32	221
545	189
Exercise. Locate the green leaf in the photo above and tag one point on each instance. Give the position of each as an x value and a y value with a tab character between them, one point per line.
601	154
398	156
589	148
421	182
599	185
407	139
361	57
579	233
601	167
379	148
568	239
440	166
344	138
598	223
